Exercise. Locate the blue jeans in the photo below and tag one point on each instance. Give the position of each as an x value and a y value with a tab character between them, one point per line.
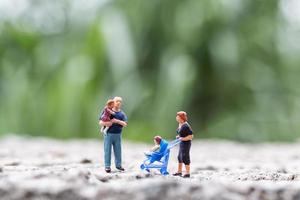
113	140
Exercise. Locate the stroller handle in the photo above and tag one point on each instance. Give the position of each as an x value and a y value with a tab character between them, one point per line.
173	143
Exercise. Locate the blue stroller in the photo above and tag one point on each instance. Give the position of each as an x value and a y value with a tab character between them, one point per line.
159	160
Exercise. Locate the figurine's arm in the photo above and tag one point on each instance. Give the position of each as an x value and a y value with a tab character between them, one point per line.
111	111
187	138
102	123
122	123
154	148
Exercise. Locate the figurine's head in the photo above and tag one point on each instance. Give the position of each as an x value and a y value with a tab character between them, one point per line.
118	102
181	117
110	103
157	139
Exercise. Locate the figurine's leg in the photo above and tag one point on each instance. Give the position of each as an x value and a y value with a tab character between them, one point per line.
187	168
118	150
179	168
107	149
180	161
102	129
105	128
186	160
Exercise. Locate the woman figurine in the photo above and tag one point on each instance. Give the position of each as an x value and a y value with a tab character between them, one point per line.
185	134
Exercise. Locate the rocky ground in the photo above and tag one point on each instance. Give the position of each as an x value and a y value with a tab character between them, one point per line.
40	168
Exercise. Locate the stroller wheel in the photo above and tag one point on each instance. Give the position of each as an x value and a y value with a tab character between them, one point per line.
164	172
142	166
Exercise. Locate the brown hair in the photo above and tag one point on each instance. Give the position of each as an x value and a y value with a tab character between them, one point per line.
157	139
182	115
110	102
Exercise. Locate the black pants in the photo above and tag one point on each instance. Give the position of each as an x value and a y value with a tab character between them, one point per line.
184	152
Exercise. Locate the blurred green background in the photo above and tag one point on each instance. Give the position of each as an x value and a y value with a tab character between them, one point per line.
233	65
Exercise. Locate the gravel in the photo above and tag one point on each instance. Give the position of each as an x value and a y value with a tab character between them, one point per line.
43	168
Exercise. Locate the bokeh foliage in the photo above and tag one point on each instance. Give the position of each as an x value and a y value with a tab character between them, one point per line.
233	65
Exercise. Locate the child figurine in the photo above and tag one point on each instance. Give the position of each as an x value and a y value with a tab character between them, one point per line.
157	140
106	114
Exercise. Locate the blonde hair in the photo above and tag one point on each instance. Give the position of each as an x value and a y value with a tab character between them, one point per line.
110	102
118	98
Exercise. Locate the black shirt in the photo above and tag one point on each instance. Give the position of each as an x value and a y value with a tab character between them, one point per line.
185	130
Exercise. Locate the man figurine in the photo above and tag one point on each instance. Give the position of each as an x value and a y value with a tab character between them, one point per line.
113	138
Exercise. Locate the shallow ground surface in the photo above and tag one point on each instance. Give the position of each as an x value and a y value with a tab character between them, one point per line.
39	168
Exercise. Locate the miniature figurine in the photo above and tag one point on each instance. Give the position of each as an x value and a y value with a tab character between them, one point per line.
113	138
156	147
158	157
107	115
185	134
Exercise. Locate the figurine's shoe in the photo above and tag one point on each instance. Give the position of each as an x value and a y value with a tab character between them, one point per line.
107	169
121	169
186	176
177	174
